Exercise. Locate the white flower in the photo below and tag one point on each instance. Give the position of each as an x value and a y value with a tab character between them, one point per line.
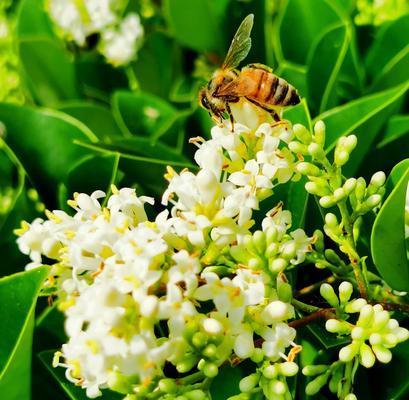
119	46
251	176
186	269
276	339
300	245
251	284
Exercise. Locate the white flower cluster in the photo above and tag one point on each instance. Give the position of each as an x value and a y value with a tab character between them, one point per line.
194	289
120	37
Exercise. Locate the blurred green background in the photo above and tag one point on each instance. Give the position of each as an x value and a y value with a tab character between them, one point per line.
70	122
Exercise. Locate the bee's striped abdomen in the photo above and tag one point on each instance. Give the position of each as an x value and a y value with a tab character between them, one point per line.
281	93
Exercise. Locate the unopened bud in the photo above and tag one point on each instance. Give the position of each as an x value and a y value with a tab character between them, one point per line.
288	368
383	354
332	257
348	352
349	185
365	316
345	291
312	370
277	311
302	134
270	372
358	333
319	240
327	201
306	168
248	383
355	306
331	220
378	179
341	157
328	293
297	147
315	386
259	240
319	133
350	143
278	265
360	188
212	326
210	370
317	189
277	387
372	202
335	326
350	396
316	151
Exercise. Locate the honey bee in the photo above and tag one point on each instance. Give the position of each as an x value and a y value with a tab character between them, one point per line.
255	82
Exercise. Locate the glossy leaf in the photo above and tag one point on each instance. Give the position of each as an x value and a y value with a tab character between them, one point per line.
363	117
388	59
18	295
32	20
398	127
97	118
43	142
294	74
325	65
199	24
300	23
49	70
388	237
226	384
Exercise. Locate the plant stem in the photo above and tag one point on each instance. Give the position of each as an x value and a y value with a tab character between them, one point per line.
132	81
350	249
325	313
304	307
313	287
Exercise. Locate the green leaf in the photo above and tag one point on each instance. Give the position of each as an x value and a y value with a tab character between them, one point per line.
398	126
32	20
49	70
299	24
18	295
43	142
199	24
96	172
74	392
226	384
185	90
324	67
388	59
364	117
143	114
97	118
388	236
147	172
158	64
144	147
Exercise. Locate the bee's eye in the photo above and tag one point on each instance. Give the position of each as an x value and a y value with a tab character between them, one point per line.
205	103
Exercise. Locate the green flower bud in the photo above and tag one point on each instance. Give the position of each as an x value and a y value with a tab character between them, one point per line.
350	396
190	329
335	326
271	235
355	306
360	188
375	339
349	186
319	133
196	394
257	356
240	254
199	340
270	372
302	134
381	319
315	386
290	251
297	147
383	354
316	151
306	168
259	240
327	201
288	368
328	293
181	397
348	352
248	383
378	179
402	334
350	143
341	157
168	385
372	202
121	383
389	340
332	257
210	351
284	292
316	189
331	220
278	265
277	387
365	316
319	240
335	380
255	263
339	194
272	250
312	370
210	370
345	291
186	364
358	333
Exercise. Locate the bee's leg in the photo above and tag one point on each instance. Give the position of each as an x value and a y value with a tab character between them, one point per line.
228	109
275	116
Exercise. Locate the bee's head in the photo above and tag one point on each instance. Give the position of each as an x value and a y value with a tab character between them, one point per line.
203	100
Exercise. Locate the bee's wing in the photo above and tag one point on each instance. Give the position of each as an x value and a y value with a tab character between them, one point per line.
240	45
